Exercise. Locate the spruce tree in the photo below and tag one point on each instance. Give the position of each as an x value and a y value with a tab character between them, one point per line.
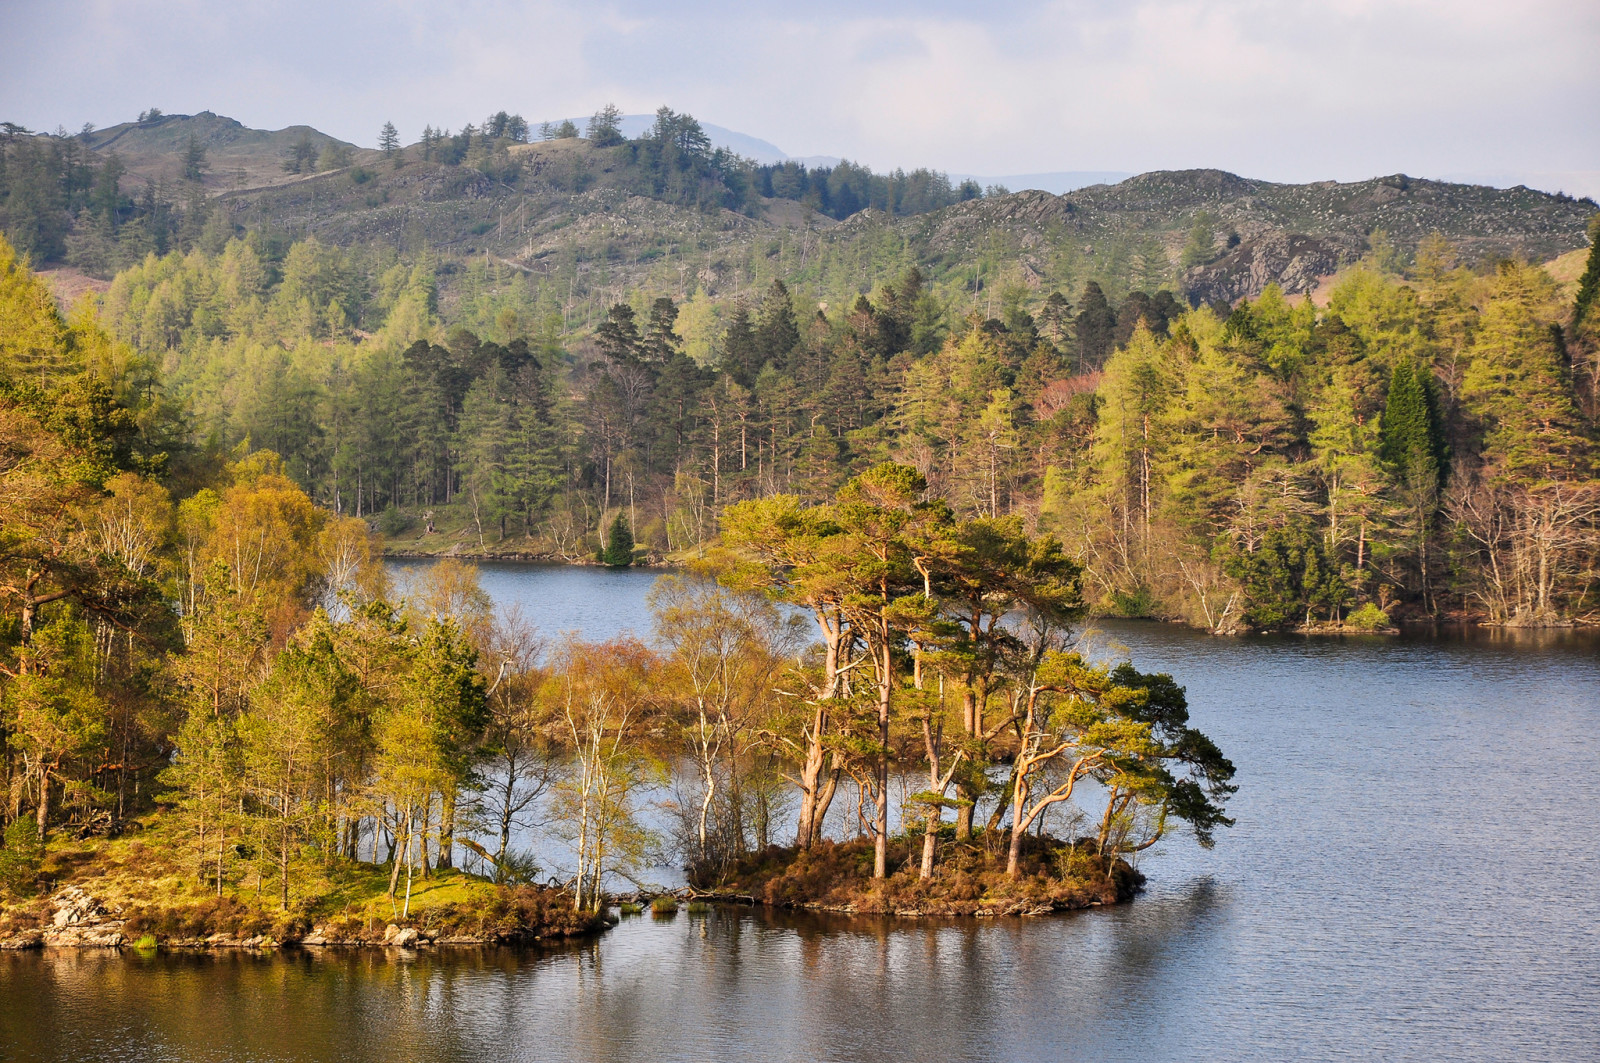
777	333
1589	283
740	355
1409	435
1096	328
194	160
618	552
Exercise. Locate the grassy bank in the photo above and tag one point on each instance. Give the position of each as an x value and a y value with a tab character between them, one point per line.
142	888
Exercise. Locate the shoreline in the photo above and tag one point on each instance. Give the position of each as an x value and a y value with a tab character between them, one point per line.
77	919
668	564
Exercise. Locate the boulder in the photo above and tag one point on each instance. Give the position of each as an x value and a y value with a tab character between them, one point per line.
404	937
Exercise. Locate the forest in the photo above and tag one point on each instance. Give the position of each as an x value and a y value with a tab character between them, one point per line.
1422	446
61	201
199	657
888	518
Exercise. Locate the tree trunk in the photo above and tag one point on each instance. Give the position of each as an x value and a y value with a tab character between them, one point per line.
44	803
825	799
880	845
1019	799
810	779
447	830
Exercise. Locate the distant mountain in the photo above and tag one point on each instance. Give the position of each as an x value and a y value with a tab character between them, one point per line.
1265	233
634	126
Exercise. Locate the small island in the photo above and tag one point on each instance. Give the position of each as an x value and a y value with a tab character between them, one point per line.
225	720
226	726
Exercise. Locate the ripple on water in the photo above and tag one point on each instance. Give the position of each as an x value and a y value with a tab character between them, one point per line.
1414	876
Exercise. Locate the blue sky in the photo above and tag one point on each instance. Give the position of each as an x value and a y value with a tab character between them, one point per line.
1282	89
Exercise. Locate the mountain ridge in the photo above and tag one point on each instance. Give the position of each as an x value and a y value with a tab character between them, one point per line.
592	212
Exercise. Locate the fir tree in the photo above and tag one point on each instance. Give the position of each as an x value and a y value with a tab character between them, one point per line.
1589	283
194	160
618	551
1409	437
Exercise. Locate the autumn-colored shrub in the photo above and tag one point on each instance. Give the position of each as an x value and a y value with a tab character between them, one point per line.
1053	875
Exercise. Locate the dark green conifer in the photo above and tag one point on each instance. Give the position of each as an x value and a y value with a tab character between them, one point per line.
1410	438
1589	283
618	552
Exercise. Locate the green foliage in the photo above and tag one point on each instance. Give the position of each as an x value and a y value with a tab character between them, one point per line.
1589	282
20	859
1367	617
1202	243
1411	439
1287	578
618	551
392	522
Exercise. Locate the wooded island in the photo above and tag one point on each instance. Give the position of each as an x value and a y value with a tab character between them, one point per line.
222	721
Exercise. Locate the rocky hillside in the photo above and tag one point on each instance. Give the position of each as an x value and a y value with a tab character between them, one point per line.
1289	234
236	156
565	208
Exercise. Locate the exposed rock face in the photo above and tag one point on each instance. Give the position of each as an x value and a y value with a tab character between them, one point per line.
78	919
1297	263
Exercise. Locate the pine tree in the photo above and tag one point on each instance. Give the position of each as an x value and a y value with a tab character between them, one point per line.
1410	439
739	354
1589	283
777	333
1096	328
604	127
389	140
618	552
194	160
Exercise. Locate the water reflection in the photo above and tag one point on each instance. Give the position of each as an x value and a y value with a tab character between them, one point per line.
1414	876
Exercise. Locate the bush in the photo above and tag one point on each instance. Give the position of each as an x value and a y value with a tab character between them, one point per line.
664	906
1368	618
392	522
1136	604
518	869
20	859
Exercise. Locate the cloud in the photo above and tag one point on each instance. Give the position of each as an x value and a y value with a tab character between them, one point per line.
1291	89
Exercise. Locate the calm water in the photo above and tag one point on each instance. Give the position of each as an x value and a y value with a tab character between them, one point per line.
1415	875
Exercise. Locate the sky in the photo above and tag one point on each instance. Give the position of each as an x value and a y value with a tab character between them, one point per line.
1502	91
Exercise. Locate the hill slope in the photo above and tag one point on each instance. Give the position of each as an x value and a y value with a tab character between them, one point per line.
613	219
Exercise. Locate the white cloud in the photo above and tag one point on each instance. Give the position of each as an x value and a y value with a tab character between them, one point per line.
1291	89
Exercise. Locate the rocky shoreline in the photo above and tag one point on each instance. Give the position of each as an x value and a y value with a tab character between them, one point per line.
76	919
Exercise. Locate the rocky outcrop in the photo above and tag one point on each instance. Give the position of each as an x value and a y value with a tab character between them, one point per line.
1295	262
76	920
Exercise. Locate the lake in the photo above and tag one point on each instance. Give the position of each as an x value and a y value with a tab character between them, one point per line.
1415	875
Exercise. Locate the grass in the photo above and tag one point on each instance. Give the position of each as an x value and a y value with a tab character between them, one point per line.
150	874
664	906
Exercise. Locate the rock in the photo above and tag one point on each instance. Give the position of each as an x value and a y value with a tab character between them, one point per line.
102	936
403	936
79	920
